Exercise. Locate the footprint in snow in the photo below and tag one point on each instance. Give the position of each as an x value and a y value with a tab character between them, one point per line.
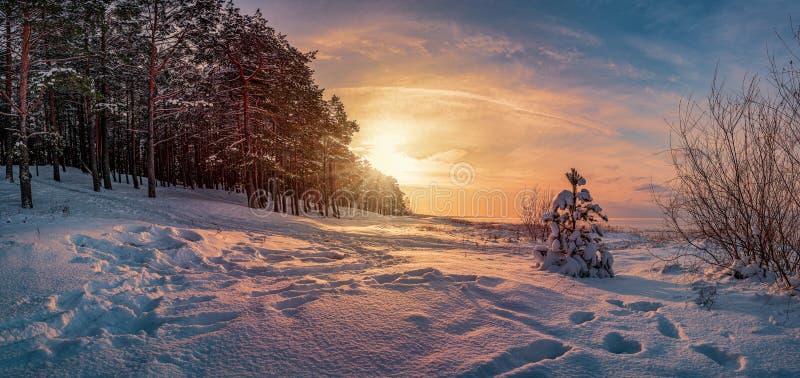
618	344
615	302
670	329
515	359
728	360
644	306
294	303
640	306
581	317
202	323
190	235
422	321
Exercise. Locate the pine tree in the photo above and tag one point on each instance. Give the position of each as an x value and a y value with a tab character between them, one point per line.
167	27
32	22
8	118
574	244
191	93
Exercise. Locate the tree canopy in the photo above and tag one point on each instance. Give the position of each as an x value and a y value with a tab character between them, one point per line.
192	93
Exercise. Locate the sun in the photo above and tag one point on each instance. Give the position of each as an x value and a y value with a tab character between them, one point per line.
386	155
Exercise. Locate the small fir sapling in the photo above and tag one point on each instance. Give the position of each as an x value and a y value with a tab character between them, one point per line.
574	246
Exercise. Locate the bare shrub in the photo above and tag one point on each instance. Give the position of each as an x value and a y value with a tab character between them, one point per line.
706	294
534	206
736	194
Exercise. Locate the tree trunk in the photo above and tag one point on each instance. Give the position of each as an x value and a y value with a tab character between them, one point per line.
26	196
83	140
9	140
56	133
332	175
104	150
151	151
134	165
104	114
92	139
151	111
90	122
295	200
249	186
132	127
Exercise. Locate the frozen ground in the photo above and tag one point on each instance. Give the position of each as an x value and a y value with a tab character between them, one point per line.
191	283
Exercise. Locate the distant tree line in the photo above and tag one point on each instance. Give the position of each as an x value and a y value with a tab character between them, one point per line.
191	93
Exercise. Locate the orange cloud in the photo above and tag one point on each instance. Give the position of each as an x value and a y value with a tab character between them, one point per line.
429	95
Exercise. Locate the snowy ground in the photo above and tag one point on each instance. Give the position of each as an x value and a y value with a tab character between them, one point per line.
190	283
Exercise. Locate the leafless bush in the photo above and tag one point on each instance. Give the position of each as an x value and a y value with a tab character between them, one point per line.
736	194
706	294
534	206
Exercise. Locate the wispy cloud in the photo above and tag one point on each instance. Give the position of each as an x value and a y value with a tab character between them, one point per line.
523	91
560	56
660	51
584	37
446	97
627	70
489	44
651	188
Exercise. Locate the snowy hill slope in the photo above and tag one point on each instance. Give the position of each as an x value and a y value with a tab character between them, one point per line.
192	283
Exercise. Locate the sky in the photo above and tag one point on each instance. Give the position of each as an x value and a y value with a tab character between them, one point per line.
471	103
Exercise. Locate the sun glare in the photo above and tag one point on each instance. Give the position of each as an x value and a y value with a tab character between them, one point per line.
385	152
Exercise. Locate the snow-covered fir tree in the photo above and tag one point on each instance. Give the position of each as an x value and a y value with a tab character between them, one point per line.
574	246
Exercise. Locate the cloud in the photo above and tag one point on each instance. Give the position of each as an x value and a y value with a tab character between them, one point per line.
449	156
627	70
522	97
659	51
561	56
448	98
371	41
443	95
508	149
584	37
325	56
491	45
650	188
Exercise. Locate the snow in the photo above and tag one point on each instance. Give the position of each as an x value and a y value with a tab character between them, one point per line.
191	283
562	200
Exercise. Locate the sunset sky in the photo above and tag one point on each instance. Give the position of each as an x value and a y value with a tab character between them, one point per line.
522	91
